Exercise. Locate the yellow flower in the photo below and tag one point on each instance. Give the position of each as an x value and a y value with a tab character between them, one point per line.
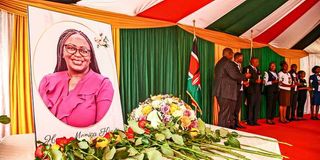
102	142
194	132
173	108
118	138
185	121
55	147
146	110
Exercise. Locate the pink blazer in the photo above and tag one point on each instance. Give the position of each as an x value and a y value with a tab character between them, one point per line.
83	106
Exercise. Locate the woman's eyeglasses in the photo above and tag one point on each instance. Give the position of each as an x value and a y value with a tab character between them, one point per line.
72	49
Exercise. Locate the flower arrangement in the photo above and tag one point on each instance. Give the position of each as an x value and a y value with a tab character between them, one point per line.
101	40
162	127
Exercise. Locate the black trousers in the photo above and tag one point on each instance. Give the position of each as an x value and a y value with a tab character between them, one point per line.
238	108
291	110
302	97
226	118
254	103
272	96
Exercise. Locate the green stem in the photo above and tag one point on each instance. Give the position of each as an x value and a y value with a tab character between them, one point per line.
199	153
271	154
266	139
215	154
182	156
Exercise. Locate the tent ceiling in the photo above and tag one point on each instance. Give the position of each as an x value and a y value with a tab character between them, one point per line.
281	23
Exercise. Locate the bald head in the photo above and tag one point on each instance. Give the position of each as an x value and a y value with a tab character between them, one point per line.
228	53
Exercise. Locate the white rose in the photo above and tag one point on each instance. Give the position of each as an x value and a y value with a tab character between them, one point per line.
177	113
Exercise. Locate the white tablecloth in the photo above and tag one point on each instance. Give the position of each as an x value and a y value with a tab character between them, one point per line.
22	147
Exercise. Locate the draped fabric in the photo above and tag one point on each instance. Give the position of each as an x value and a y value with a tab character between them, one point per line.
124	21
20	84
6	22
265	55
116	46
155	61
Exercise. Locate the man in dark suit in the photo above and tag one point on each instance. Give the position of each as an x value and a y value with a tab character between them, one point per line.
253	91
227	77
238	59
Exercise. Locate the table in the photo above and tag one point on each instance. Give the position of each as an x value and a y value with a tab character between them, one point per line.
18	147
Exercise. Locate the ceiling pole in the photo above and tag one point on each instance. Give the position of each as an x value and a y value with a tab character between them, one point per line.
251	43
194	29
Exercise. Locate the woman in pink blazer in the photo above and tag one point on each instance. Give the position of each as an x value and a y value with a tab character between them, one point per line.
76	93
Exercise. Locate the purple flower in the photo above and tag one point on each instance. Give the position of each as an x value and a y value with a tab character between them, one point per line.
166	118
165	109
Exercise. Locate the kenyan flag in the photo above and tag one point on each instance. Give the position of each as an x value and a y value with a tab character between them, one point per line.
193	81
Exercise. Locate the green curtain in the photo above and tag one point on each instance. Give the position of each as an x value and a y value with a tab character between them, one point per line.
156	61
265	55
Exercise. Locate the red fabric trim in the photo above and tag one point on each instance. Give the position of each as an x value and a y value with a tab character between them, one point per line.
274	31
173	10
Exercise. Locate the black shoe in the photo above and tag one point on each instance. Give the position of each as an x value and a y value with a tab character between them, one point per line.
250	123
240	126
256	124
316	118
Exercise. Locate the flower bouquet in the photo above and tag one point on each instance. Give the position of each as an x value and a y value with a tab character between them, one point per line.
162	127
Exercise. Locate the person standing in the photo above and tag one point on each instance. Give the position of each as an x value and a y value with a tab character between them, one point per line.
238	59
227	77
291	111
285	84
302	94
270	82
315	99
253	92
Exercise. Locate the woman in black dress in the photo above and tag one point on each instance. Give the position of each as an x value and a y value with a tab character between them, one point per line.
302	94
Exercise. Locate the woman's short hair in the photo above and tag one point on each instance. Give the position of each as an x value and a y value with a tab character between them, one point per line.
314	69
61	63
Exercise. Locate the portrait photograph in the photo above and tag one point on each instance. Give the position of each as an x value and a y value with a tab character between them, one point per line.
74	77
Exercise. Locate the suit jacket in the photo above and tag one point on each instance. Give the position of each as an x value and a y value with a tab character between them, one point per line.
227	77
253	88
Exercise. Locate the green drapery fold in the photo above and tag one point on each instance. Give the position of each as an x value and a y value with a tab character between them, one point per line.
265	55
156	61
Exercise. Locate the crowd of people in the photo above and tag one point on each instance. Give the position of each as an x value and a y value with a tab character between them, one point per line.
289	88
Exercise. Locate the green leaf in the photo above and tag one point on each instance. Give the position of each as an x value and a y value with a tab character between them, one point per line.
201	126
223	132
78	154
110	154
4	119
135	127
167	133
137	157
121	153
196	148
83	145
160	137
91	151
56	154
166	150
70	156
233	142
177	139
154	155
132	151
138	141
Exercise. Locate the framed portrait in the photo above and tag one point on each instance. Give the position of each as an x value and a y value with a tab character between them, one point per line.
74	78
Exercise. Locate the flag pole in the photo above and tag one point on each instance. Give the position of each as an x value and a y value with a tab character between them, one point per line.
194	28
251	44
